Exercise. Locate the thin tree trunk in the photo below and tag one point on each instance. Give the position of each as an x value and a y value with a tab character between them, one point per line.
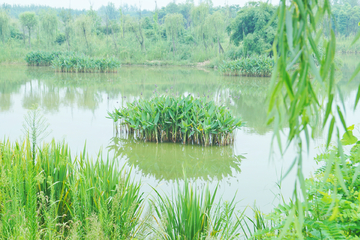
221	50
203	37
87	44
113	35
24	36
173	40
29	38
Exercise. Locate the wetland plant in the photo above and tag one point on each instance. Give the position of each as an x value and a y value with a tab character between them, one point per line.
41	58
190	213
177	119
258	66
84	64
58	196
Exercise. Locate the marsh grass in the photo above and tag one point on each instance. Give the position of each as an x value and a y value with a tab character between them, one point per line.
177	119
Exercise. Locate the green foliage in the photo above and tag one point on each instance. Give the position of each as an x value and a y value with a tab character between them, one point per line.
83	64
332	213
190	214
178	119
29	21
41	58
4	24
254	66
253	25
60	38
57	197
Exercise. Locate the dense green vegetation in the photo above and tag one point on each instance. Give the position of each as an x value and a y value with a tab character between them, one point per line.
41	58
72	62
253	66
176	34
332	211
178	119
46	193
80	63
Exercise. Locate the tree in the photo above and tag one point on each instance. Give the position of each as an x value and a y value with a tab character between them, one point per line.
83	28
28	20
174	24
4	24
49	24
215	24
198	17
253	19
65	16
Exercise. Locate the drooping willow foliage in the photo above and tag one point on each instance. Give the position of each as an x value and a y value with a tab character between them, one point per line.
258	66
303	28
84	64
178	119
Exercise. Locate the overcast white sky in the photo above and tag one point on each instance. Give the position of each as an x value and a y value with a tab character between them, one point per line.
85	4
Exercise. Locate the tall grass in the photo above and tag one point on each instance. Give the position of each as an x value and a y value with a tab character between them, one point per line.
257	66
178	119
62	197
190	213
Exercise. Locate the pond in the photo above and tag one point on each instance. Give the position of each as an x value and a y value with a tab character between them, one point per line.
76	107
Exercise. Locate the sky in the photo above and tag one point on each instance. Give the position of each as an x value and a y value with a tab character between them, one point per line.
85	4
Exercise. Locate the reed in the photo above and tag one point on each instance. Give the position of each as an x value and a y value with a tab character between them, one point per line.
85	64
177	119
257	66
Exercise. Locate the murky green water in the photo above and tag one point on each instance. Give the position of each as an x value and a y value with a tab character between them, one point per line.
76	107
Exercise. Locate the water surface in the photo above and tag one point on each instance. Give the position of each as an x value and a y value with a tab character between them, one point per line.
76	107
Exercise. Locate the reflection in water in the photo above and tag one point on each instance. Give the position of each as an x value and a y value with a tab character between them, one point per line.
40	85
166	161
246	97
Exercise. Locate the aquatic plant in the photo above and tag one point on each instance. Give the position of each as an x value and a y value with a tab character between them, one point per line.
257	66
85	64
177	119
41	58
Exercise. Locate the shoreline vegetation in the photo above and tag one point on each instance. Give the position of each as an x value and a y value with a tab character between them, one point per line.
181	34
72	62
187	120
248	67
47	192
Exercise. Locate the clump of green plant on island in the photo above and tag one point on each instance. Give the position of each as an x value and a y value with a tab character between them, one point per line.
258	66
72	62
41	58
81	63
178	119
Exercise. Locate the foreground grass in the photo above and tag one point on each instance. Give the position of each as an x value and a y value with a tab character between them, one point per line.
51	194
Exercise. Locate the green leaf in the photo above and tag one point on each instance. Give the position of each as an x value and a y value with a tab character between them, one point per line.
348	137
331	129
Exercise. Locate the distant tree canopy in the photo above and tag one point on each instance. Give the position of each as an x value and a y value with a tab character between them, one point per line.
28	21
250	27
184	31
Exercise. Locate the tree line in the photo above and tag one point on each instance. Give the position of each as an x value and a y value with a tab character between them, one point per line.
183	31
